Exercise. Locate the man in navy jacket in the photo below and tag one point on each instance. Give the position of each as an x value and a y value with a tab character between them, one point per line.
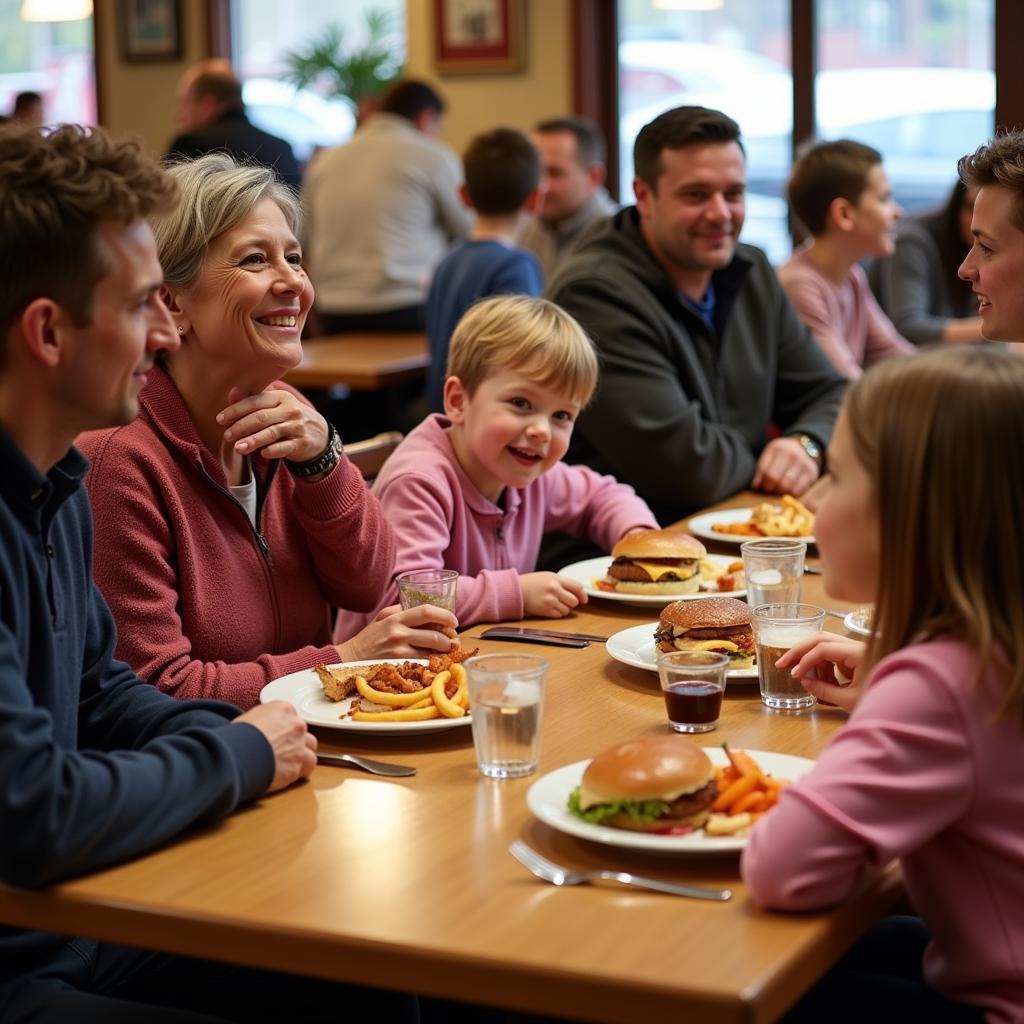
95	765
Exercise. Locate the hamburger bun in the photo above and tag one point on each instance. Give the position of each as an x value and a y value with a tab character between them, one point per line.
672	769
712	624
710	613
659	544
643	560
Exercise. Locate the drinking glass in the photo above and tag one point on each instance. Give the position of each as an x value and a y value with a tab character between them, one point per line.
428	586
777	628
693	683
506	693
774	569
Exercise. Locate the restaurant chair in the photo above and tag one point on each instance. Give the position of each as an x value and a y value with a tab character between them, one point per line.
370	455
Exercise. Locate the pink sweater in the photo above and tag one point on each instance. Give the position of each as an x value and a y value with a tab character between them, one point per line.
202	610
442	521
920	773
845	320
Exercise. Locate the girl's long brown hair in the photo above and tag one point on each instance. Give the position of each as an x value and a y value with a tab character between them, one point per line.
942	436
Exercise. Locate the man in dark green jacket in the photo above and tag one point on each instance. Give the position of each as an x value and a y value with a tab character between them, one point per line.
709	381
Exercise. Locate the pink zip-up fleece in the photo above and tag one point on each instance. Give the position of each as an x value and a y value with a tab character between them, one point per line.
925	773
206	604
442	521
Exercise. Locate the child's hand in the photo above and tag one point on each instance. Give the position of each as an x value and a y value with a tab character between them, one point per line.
394	633
827	665
548	595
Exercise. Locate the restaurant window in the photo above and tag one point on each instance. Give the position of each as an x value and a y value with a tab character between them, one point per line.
264	31
923	100
54	59
732	55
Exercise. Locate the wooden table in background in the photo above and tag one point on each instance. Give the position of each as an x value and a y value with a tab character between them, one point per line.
363	362
408	883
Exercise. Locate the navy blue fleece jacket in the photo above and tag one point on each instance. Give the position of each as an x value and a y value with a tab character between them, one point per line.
96	766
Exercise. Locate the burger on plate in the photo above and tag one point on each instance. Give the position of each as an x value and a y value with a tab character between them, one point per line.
712	624
655	562
654	784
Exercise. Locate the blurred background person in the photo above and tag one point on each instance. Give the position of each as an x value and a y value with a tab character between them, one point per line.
212	114
918	284
841	193
382	211
572	156
28	109
502	187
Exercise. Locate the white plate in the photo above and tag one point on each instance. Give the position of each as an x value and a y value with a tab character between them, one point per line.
857	621
700	526
548	800
635	646
303	689
593	569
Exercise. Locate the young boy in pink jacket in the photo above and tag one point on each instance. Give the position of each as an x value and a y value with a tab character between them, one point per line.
475	489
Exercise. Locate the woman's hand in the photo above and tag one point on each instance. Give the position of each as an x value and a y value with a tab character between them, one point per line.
394	633
828	665
548	595
275	424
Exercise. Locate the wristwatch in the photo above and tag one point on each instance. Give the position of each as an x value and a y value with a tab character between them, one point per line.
812	448
323	462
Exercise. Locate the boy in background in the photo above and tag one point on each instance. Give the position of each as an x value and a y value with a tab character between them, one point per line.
502	171
476	489
841	193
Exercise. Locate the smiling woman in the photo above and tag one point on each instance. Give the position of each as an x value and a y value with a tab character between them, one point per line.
228	519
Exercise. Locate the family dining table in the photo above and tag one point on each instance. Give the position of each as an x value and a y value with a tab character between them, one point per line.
408	883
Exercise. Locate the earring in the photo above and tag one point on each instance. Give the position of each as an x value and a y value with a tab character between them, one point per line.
181	330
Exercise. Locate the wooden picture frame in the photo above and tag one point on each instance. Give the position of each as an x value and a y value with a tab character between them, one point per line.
150	29
473	37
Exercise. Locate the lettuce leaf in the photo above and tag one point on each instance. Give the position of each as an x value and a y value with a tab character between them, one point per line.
645	811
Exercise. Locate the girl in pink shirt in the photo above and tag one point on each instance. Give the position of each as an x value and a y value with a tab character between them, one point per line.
923	517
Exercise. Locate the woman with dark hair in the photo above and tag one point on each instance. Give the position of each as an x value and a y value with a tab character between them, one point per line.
917	285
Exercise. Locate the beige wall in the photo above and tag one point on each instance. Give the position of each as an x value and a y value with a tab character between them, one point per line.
477	102
138	99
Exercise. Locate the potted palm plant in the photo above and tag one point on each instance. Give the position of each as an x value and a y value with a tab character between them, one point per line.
358	73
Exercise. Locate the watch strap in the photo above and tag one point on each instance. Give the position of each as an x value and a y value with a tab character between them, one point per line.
323	462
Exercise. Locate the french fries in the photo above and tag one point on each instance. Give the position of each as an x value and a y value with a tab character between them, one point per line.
445	696
744	794
792	518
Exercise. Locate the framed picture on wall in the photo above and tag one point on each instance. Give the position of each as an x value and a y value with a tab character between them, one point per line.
150	29
478	36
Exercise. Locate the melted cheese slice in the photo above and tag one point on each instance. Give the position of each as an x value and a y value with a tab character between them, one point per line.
706	645
656	570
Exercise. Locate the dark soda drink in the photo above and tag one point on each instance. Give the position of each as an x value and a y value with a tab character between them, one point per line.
694	702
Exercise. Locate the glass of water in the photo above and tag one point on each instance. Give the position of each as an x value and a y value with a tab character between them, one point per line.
506	693
774	570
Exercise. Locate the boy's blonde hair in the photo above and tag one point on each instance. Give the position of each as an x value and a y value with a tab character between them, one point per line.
942	438
534	335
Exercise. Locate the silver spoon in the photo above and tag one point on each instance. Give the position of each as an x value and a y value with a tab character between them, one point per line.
366	763
557	875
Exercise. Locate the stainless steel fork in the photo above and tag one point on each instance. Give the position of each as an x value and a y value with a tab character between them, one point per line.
557	875
366	763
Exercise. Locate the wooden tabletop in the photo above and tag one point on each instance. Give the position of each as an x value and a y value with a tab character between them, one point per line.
408	884
363	362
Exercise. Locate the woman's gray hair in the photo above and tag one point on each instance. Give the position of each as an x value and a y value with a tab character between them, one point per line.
215	193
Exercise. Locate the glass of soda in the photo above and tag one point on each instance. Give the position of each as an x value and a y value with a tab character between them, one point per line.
693	683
